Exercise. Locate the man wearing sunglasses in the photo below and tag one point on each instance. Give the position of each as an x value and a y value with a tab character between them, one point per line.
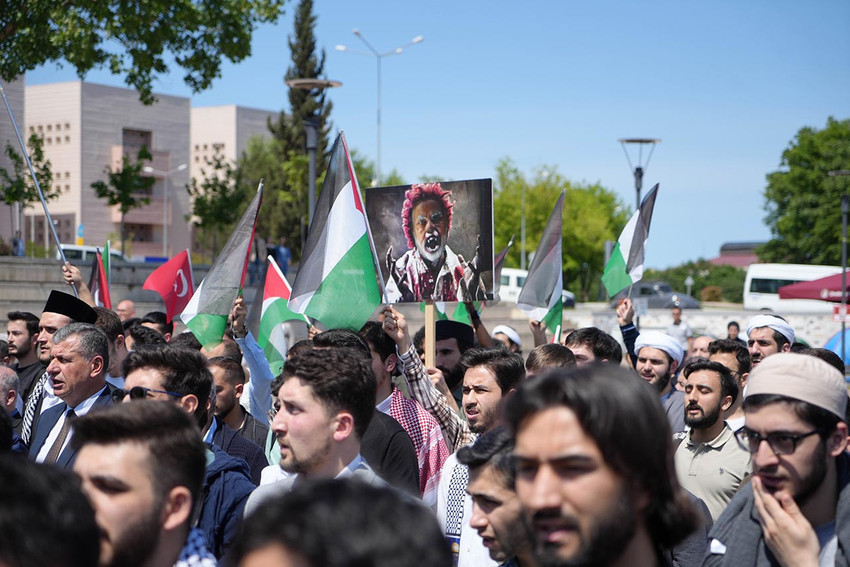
796	510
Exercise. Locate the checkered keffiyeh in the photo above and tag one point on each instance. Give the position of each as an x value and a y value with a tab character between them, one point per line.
454	500
431	449
195	553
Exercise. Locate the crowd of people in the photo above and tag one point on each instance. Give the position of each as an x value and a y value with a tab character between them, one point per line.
125	443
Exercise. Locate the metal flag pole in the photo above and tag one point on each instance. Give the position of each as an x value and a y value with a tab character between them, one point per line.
49	219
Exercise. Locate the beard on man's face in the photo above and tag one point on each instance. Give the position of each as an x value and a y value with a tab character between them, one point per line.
453	376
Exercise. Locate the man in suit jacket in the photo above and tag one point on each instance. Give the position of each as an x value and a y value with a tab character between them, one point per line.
326	403
78	375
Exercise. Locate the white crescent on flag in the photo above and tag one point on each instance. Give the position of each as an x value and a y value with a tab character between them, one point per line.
181	278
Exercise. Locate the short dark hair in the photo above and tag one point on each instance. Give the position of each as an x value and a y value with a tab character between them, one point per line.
230	349
342	338
340	378
186	340
730	346
550	355
827	356
819	418
4	348
494	447
603	345
184	372
28	318
108	322
300	346
159	319
233	371
507	367
373	333
177	452
130	323
728	384
732	324
62	533
145	336
314	521
93	341
622	414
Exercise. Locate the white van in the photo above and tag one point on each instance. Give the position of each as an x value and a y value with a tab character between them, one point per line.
80	255
763	281
511	282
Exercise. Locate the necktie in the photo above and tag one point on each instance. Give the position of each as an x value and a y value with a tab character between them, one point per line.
56	449
29	410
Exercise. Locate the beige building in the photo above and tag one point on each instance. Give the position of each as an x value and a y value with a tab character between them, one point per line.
87	128
9	218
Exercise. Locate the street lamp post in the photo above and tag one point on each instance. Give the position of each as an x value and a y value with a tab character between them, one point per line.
378	56
165	175
641	165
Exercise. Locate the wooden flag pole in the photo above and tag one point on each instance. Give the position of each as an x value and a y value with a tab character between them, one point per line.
430	333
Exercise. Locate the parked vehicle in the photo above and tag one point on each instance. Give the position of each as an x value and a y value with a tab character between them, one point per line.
80	255
764	280
659	295
511	284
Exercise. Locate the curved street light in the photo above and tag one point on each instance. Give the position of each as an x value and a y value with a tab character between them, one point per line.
641	166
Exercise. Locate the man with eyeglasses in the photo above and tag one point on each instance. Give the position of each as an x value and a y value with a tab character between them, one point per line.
796	510
181	376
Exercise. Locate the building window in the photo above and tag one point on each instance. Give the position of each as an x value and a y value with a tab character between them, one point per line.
67	125
50	127
40	129
58	127
67	139
67	174
49	141
67	187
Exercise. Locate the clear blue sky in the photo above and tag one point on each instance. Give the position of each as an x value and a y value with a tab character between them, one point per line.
724	84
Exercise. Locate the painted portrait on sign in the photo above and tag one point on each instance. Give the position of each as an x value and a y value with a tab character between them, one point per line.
434	240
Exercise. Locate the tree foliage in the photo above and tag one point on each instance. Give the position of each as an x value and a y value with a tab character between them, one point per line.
218	199
592	215
728	279
132	39
803	202
126	187
17	186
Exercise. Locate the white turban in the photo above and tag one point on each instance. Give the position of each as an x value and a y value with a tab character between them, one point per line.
509	332
661	341
777	324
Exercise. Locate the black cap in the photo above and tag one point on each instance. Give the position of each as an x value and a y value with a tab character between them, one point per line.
446	329
64	304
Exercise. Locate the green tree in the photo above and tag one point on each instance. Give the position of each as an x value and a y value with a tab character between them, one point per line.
218	200
803	203
592	215
17	185
126	188
284	162
133	39
728	279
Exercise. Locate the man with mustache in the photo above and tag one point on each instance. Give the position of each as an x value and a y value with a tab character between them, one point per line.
594	475
430	270
796	509
658	357
767	335
709	462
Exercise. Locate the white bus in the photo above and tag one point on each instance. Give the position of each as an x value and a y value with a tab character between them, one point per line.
763	281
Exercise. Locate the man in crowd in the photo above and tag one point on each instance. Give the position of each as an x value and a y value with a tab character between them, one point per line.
430	270
732	332
326	402
142	467
734	356
229	378
422	427
658	357
509	337
590	344
596	491
9	388
700	347
108	322
496	511
709	462
181	377
126	309
680	330
61	309
545	357
767	335
78	376
796	509
158	321
22	335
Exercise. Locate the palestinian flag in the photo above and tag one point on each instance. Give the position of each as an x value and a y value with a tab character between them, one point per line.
625	267
337	280
98	285
207	311
540	296
498	264
271	337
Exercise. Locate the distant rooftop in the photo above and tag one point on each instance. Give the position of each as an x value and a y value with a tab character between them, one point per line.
738	254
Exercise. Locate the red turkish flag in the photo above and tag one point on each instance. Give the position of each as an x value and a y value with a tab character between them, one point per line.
174	282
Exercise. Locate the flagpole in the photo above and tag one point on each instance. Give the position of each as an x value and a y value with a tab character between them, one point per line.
35	180
430	333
